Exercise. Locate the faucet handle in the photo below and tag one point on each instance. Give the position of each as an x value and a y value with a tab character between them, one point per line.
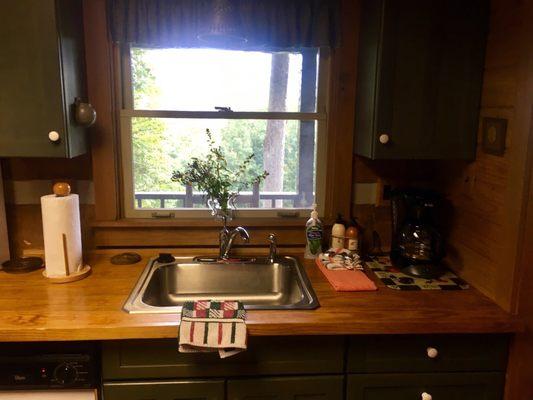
273	253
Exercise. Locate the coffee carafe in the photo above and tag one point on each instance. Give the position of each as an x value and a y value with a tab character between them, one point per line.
417	246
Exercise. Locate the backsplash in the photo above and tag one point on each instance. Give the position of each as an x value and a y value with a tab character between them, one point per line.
26	231
26	180
27	192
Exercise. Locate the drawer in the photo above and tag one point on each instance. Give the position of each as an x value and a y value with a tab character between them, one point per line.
133	359
443	386
294	388
409	353
165	390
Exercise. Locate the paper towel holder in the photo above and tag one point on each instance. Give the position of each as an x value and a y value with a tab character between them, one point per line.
84	272
62	189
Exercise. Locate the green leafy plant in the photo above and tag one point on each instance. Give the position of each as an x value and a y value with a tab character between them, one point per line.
212	176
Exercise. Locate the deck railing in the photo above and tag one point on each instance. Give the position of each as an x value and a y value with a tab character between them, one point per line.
190	199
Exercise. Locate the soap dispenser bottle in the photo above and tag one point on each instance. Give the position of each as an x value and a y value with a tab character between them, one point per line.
313	235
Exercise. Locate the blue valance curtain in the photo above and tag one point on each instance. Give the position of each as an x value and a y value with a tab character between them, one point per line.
272	24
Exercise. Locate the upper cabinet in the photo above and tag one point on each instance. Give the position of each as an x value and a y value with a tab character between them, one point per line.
420	71
41	74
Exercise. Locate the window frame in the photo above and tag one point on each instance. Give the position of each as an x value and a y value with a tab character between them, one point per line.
127	112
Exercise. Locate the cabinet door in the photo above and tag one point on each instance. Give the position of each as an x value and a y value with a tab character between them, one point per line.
471	386
283	355
164	390
41	64
31	99
430	83
405	79
419	78
409	353
296	388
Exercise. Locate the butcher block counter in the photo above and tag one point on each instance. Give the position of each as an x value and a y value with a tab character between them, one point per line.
33	309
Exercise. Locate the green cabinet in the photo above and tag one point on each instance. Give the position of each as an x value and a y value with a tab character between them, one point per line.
361	367
471	386
295	388
41	73
419	77
138	359
427	353
164	390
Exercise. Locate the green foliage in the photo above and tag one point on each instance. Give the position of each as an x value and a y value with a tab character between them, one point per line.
236	145
143	80
151	161
292	154
212	175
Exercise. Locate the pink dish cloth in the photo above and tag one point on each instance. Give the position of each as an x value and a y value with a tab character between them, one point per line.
347	280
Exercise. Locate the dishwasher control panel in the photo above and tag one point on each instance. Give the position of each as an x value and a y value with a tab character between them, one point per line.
38	369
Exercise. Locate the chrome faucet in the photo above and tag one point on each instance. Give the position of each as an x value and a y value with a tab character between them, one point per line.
227	237
273	252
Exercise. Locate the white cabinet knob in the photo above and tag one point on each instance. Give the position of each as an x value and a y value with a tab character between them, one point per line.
432	352
384	138
426	396
53	136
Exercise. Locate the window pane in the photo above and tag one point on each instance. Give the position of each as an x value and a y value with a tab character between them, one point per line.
202	79
162	145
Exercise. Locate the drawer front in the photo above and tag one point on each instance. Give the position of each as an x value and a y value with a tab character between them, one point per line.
165	390
427	353
294	388
133	359
444	386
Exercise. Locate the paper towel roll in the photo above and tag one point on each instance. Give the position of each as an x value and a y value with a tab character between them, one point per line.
61	216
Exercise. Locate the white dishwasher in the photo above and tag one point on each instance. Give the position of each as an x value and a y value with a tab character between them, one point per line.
48	371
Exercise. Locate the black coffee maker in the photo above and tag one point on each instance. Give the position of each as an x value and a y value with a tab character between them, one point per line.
417	247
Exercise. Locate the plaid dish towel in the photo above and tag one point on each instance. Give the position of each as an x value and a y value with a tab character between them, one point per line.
209	326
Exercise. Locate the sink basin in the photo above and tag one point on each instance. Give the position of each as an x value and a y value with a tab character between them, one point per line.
257	282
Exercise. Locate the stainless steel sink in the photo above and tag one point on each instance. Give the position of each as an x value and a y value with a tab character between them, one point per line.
257	282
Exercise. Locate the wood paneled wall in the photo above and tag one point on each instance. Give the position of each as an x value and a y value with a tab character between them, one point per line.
488	194
520	367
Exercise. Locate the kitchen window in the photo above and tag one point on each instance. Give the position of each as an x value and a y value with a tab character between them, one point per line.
264	102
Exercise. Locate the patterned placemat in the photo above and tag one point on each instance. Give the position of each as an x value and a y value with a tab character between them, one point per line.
394	279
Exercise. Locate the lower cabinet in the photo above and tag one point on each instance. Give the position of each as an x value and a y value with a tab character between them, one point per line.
294	388
409	367
456	386
283	388
165	390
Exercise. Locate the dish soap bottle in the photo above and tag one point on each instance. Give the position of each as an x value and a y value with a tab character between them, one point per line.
313	235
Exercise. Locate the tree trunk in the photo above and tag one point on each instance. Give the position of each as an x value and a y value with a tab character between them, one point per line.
306	170
274	144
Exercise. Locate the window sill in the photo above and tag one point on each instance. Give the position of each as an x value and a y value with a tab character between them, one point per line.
199	223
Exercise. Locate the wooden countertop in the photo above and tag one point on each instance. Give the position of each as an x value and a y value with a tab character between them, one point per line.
32	309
